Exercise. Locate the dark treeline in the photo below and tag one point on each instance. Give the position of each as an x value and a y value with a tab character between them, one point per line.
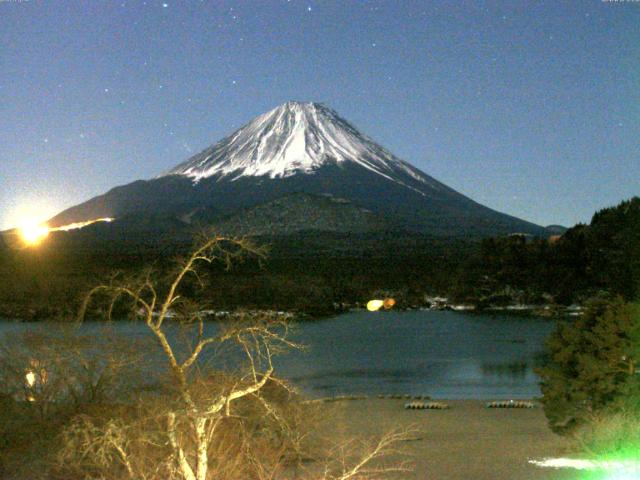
309	273
319	273
587	259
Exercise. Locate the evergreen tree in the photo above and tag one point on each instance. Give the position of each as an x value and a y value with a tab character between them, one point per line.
592	363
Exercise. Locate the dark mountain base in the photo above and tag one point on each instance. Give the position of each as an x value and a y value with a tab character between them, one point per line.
438	212
320	273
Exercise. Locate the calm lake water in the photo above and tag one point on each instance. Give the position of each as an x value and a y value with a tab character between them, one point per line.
442	354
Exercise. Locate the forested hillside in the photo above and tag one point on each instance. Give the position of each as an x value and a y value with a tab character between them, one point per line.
601	256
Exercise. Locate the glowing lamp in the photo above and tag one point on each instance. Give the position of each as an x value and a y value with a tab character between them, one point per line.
30	377
375	305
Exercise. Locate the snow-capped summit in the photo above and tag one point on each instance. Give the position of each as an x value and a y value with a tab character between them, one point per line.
295	137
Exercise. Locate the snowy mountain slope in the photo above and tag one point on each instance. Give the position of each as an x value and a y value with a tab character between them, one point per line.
301	148
296	138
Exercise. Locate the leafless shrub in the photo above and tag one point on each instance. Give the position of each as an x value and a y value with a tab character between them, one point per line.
56	367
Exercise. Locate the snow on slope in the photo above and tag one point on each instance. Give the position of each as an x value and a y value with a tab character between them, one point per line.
295	138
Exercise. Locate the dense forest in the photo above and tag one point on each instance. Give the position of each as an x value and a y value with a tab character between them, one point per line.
585	260
322	273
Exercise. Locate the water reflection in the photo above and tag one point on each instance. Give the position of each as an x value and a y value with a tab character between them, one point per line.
514	370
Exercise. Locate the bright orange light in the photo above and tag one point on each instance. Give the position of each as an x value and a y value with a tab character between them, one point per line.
30	231
389	303
33	233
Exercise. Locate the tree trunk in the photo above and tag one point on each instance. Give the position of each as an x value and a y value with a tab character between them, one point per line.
183	465
202	447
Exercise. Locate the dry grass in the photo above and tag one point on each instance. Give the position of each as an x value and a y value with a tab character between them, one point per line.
467	441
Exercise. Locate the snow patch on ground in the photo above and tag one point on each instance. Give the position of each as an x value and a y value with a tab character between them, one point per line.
619	466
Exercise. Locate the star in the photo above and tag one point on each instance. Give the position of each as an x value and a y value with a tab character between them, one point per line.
165	5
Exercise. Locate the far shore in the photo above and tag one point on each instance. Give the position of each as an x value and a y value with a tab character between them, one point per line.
16	314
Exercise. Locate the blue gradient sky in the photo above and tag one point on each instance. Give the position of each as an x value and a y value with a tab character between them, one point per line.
529	107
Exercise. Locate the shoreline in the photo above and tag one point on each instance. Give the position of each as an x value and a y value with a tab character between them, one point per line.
539	311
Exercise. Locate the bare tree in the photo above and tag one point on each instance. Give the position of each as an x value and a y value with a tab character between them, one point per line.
206	425
191	425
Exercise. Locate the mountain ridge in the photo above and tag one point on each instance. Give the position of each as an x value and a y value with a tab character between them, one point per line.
302	148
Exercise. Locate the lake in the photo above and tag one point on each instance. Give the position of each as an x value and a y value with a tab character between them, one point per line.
452	355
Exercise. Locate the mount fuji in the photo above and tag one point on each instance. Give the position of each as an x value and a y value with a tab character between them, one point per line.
298	167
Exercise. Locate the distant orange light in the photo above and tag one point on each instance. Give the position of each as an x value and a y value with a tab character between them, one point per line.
375	305
32	232
388	303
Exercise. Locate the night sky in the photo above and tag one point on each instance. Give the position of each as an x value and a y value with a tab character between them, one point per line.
531	108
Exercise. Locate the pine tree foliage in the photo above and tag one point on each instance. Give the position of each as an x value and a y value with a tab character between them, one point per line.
592	363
